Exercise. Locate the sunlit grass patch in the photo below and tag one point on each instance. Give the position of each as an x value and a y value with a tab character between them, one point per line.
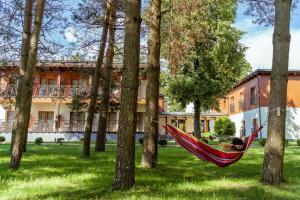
52	171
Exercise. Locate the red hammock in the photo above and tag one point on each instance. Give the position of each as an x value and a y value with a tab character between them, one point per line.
206	152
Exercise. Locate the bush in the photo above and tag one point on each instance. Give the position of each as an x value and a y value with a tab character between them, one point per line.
204	140
2	139
262	141
286	143
38	141
209	135
162	142
81	139
141	141
60	140
224	127
298	142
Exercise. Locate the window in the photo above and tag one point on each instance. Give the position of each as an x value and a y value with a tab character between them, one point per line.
241	102
253	96
112	122
77	121
181	124
46	121
10	116
231	106
47	87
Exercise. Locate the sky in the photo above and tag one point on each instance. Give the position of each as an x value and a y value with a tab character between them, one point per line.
258	39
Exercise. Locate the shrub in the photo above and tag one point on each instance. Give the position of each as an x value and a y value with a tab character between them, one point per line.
141	141
298	142
2	139
262	141
209	135
204	140
162	142
286	143
224	127
60	140
38	141
81	139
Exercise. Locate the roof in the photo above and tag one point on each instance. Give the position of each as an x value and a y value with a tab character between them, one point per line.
262	72
65	64
190	114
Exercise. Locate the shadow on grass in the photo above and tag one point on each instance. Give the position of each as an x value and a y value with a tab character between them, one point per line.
59	172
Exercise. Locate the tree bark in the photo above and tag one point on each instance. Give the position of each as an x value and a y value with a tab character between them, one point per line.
106	87
25	44
95	86
274	148
24	91
124	177
149	155
197	118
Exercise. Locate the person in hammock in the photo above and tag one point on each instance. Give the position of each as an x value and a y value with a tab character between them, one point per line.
237	144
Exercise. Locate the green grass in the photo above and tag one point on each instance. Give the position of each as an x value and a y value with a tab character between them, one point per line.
53	171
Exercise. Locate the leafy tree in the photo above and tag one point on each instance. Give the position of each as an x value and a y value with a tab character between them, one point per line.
224	127
212	65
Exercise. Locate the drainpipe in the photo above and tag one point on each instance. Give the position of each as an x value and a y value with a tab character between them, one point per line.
259	111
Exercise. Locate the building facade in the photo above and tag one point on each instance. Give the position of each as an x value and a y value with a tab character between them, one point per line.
247	103
55	86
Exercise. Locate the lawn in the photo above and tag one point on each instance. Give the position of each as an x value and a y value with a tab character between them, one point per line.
52	171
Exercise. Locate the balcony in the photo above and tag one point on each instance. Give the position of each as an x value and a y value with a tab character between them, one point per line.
64	126
55	91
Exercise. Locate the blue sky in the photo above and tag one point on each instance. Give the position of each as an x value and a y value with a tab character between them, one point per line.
257	38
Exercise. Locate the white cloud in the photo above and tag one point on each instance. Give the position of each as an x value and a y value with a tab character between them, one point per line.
260	51
70	34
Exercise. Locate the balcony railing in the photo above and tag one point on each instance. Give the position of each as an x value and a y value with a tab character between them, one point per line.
62	126
52	91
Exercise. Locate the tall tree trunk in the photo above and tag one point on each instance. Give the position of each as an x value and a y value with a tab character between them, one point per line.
95	86
149	156
24	95
274	148
25	44
107	77
129	92
25	142
197	118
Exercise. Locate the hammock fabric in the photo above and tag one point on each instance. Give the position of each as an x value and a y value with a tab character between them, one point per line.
206	152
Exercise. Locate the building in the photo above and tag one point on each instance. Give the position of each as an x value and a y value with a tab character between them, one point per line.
185	120
247	103
56	84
